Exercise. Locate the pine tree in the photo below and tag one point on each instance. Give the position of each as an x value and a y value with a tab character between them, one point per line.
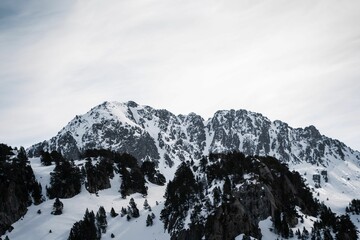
65	181
91	179
291	233
285	228
45	158
305	233
57	207
22	155
346	228
180	195
146	204
134	211
113	213
101	222
37	193
149	221
85	229
125	182
123	212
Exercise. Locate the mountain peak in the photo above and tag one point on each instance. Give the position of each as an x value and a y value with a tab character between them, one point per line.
167	139
132	104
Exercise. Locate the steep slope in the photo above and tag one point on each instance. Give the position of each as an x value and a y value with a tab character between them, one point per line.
18	186
258	189
153	134
39	224
330	169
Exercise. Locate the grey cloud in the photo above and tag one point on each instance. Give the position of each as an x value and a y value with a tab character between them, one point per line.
294	61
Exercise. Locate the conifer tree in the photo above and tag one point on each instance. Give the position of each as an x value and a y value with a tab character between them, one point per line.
85	229
37	193
346	230
285	228
113	213
134	211
45	158
22	155
146	204
180	195
123	212
149	220
65	181
57	207
101	222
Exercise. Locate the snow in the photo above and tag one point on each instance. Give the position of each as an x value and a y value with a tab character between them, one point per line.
336	194
241	236
338	191
341	188
119	110
37	226
267	232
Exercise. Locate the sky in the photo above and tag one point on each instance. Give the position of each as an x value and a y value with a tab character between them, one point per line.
296	61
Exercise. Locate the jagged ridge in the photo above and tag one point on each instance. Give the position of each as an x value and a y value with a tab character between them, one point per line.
153	134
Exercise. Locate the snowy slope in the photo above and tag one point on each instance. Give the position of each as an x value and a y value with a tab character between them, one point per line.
166	139
37	226
338	190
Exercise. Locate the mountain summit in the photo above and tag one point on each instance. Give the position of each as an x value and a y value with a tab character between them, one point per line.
157	134
234	176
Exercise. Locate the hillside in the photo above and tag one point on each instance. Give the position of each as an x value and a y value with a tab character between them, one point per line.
201	178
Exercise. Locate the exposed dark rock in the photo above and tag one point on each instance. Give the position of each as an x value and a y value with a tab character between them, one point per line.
269	190
17	183
146	133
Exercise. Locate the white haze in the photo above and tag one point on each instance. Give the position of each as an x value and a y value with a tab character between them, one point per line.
297	61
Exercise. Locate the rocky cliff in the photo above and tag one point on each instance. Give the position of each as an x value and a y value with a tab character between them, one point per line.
153	134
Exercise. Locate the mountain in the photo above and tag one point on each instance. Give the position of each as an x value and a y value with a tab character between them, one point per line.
161	136
237	175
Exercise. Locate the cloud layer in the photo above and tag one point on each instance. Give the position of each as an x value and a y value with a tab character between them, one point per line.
294	61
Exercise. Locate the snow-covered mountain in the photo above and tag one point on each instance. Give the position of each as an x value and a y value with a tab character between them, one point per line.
161	136
220	190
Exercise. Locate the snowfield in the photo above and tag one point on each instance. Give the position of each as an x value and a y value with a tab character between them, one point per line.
341	188
37	226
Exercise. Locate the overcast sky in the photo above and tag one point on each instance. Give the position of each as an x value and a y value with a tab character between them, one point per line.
297	61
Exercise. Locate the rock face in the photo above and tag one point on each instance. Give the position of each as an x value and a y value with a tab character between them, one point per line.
17	182
151	134
231	195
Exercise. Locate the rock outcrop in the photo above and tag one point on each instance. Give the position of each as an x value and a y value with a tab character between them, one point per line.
151	134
